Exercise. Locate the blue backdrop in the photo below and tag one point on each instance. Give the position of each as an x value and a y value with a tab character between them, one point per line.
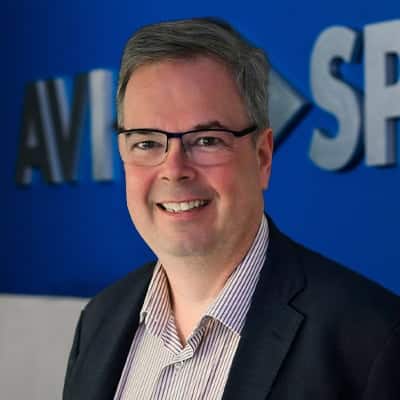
75	238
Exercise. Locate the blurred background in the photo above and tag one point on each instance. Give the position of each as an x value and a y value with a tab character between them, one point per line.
65	230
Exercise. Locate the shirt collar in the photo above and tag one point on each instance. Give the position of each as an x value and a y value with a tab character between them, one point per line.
156	307
231	305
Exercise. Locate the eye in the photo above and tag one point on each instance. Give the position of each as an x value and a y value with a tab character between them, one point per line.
146	145
207	141
145	142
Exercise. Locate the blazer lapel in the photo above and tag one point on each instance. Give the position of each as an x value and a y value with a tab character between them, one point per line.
101	366
271	324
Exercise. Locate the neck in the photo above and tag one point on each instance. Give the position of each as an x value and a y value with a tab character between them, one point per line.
194	285
197	281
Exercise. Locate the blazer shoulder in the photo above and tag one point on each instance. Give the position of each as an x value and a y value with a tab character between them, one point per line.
335	288
116	292
128	291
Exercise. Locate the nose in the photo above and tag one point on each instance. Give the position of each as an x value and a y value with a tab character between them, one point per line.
177	166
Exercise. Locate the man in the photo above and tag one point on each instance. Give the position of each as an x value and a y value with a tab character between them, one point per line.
232	309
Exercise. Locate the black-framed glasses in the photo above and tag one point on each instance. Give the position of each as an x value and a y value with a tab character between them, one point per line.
208	146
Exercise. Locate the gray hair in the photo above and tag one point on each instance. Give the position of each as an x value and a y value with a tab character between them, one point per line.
185	39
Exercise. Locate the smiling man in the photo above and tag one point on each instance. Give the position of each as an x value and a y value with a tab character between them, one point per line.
232	308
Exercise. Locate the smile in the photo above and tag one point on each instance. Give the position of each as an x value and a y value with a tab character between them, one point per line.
177	207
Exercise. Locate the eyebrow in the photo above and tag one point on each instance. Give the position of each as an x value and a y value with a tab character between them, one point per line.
210	124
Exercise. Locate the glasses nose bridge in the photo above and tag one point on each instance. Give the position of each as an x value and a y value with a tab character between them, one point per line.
175	136
183	151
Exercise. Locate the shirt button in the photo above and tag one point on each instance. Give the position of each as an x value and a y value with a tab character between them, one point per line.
179	365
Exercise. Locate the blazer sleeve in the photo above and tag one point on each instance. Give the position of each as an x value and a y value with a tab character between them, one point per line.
384	377
73	355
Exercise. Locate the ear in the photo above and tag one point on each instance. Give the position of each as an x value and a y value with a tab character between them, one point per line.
264	148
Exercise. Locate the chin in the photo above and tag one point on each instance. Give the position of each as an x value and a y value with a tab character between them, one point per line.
186	249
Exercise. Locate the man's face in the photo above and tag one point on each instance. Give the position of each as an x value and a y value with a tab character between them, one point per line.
177	96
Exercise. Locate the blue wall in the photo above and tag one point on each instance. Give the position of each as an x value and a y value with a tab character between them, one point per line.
75	238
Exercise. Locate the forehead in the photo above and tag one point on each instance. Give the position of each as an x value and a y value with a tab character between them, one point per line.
179	94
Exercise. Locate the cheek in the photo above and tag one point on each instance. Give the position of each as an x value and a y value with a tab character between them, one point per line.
137	189
228	184
242	186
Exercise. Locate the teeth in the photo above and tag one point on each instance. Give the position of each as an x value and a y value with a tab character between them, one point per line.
183	206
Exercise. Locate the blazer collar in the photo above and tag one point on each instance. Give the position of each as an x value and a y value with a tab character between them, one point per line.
271	323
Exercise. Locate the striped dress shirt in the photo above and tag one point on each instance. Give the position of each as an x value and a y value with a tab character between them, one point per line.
159	367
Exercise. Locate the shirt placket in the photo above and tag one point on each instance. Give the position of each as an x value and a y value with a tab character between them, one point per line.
173	369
